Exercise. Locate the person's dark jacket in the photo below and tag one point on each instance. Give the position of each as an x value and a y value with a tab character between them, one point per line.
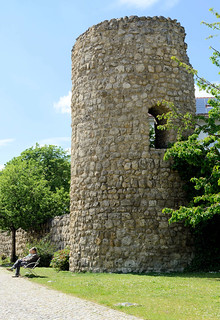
33	258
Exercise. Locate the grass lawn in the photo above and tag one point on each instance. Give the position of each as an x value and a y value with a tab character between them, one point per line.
174	296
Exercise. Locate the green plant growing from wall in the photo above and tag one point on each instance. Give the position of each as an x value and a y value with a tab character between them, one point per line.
152	137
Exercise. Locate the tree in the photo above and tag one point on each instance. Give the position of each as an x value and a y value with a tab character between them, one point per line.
30	192
198	162
54	161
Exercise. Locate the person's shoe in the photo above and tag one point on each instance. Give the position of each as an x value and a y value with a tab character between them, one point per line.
16	276
10	269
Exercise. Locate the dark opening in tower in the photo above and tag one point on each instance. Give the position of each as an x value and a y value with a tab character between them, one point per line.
158	138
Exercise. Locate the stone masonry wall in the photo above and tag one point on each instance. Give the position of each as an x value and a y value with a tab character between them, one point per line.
120	70
58	228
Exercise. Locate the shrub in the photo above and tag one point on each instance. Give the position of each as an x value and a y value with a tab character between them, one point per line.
206	243
60	260
3	257
45	250
4	260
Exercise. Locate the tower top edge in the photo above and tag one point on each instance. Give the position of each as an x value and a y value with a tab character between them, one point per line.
124	22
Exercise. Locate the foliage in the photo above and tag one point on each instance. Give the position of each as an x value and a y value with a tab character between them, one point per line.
33	188
3	257
60	260
215	25
4	260
207	251
54	162
198	161
25	197
198	164
45	250
152	137
158	296
181	123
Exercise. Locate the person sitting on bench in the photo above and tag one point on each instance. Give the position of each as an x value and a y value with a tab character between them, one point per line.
31	258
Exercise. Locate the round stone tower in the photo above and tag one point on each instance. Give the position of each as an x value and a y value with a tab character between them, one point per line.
121	71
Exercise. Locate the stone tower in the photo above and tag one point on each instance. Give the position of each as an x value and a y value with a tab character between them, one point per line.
120	70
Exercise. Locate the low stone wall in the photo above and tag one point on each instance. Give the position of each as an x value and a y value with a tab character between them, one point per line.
58	228
60	231
5	243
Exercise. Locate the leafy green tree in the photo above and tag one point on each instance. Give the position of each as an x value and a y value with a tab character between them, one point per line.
198	163
54	161
30	192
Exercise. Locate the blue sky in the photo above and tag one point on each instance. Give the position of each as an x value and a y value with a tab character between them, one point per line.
35	59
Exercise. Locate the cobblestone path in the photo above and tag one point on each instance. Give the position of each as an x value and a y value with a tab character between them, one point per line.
21	299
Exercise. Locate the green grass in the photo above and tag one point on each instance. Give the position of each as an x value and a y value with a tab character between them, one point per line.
159	296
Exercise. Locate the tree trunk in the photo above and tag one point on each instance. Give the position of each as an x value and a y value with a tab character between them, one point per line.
13	245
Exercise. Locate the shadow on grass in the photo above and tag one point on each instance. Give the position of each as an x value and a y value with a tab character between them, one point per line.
202	275
5	265
8	265
32	276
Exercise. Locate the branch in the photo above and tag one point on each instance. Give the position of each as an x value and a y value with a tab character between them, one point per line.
189	69
208	83
215	50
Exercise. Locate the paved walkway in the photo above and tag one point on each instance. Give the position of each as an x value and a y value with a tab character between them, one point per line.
21	299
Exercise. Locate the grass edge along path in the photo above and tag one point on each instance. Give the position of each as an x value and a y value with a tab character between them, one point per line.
175	296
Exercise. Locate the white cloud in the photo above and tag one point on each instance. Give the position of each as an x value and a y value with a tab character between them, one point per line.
1	166
143	4
63	105
5	142
201	93
171	3
57	141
